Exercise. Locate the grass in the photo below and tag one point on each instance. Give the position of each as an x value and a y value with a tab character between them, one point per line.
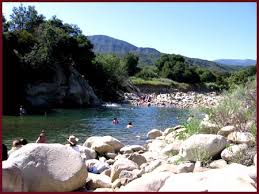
159	82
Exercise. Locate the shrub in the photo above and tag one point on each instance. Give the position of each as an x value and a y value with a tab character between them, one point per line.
238	107
147	73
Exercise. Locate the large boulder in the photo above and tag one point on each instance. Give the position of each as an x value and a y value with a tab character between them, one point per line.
102	148
154	133
241	137
67	90
202	146
215	180
49	167
113	142
234	153
12	179
122	164
150	182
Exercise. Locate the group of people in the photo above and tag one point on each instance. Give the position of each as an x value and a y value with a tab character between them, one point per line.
115	122
72	142
18	143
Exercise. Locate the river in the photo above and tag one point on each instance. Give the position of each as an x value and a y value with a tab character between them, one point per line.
85	123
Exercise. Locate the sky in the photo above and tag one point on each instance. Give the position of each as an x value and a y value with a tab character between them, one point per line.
198	30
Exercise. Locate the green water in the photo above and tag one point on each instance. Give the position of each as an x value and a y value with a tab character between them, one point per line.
93	121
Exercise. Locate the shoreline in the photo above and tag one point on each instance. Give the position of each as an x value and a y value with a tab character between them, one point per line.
175	99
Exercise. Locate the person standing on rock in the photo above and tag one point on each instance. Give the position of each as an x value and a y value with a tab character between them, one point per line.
73	144
17	144
42	137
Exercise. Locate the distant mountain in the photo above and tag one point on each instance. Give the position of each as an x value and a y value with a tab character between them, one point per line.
107	45
238	62
148	56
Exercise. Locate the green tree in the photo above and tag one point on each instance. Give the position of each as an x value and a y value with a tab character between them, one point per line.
130	62
25	19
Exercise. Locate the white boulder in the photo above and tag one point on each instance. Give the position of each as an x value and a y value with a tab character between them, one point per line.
202	146
49	167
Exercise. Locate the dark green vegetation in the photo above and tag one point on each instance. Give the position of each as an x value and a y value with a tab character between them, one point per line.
42	55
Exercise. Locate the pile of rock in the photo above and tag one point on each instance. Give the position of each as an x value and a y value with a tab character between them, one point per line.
175	99
204	162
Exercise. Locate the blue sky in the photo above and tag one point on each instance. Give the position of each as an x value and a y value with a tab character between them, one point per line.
199	30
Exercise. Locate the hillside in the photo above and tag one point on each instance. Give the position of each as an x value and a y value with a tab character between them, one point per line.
238	62
148	56
106	45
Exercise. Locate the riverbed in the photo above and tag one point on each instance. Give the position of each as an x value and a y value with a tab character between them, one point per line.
85	123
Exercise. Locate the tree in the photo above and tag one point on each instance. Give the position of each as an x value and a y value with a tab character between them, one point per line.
130	62
25	19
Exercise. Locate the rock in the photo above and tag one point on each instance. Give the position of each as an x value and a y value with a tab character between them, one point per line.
102	147
103	190
154	164
234	153
202	147
225	131
65	90
137	148
12	179
150	182
255	160
116	184
95	181
215	180
102	159
172	149
208	127
241	137
110	161
166	168
127	176
110	155
175	159
107	172
137	158
122	164
156	146
218	164
167	131
88	153
113	142
152	134
185	167
49	167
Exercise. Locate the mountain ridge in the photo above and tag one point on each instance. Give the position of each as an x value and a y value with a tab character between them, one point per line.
104	44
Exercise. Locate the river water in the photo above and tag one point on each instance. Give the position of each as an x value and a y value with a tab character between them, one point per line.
85	123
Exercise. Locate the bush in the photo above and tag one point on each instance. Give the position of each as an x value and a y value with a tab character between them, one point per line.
147	73
238	107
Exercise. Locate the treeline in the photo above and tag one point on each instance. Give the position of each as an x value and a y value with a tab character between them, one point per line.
175	68
35	49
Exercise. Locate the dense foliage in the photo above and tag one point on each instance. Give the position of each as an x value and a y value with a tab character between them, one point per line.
35	49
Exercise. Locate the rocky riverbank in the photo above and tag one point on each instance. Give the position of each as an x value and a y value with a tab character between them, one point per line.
167	162
174	99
